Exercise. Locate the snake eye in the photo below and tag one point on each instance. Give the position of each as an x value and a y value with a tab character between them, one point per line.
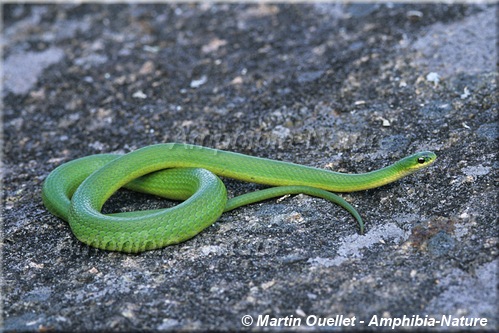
421	160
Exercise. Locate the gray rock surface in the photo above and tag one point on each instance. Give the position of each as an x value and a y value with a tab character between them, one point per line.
346	87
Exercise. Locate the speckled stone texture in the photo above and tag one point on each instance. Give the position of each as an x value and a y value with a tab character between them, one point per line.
347	87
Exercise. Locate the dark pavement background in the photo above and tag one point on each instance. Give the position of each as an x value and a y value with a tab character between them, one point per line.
347	87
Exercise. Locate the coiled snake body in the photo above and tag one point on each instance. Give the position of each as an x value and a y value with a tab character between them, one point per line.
77	190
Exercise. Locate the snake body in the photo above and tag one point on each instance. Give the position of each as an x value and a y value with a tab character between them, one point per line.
77	190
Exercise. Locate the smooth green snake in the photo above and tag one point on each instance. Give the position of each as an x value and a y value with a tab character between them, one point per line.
77	190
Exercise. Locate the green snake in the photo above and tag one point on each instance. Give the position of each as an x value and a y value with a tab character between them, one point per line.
77	190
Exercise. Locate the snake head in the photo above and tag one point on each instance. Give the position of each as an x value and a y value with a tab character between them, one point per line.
417	161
